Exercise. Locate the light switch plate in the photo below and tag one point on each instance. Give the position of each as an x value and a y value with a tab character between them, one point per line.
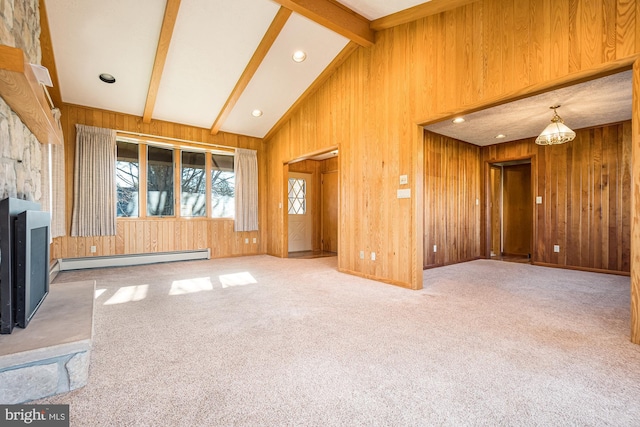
538	200
404	193
403	179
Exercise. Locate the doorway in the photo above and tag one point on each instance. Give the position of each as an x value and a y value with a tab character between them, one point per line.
311	218
511	211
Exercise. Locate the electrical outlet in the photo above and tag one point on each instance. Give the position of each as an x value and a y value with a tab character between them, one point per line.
373	256
93	249
538	200
361	254
404	179
246	241
556	248
255	240
435	248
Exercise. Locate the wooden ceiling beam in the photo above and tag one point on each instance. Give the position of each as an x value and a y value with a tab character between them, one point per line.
166	32
48	59
258	56
420	11
334	16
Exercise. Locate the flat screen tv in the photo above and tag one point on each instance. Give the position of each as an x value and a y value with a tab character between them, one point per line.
9	210
32	264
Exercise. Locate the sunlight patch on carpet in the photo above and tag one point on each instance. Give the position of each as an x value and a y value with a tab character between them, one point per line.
128	294
190	286
237	279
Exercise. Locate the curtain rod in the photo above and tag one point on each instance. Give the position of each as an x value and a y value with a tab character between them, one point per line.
145	135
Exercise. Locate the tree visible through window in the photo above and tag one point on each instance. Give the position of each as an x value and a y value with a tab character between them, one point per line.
161	177
222	186
127	179
192	197
160	182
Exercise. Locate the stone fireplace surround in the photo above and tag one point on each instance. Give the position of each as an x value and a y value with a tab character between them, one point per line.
52	354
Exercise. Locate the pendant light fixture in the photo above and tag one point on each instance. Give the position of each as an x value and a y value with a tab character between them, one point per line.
556	132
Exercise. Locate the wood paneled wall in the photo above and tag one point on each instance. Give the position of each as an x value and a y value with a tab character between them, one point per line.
586	197
416	72
153	234
452	185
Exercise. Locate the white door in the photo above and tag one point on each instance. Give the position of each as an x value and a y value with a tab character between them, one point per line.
300	208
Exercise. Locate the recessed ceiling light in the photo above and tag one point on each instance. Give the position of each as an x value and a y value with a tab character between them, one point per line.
107	78
458	120
500	136
256	113
299	56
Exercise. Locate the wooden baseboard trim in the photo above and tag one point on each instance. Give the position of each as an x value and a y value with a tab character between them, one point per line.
591	270
376	278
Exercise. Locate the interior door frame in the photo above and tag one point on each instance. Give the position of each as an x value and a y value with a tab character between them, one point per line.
284	238
487	201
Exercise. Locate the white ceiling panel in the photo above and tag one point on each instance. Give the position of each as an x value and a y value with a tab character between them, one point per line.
118	37
213	41
374	9
280	81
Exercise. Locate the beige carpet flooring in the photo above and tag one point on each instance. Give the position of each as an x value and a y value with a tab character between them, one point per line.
262	341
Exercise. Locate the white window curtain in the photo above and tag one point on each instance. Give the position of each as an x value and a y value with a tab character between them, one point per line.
53	187
94	186
246	170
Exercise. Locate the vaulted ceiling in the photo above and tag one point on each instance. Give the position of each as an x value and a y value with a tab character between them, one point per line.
211	63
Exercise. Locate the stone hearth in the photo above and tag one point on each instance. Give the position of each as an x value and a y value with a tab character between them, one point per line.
52	354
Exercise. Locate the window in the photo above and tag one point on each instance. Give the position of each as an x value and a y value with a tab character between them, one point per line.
127	179
194	185
159	182
170	173
297	196
222	186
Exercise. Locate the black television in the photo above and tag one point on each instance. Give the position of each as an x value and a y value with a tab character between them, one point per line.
32	263
10	208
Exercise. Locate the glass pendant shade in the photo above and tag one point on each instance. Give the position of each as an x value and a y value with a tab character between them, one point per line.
556	132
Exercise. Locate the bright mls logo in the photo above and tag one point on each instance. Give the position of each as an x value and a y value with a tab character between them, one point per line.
34	415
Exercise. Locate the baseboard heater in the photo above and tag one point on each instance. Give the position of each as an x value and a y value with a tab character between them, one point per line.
133	259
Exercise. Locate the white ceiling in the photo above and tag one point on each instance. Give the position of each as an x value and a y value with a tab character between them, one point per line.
209	51
592	103
212	43
374	9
